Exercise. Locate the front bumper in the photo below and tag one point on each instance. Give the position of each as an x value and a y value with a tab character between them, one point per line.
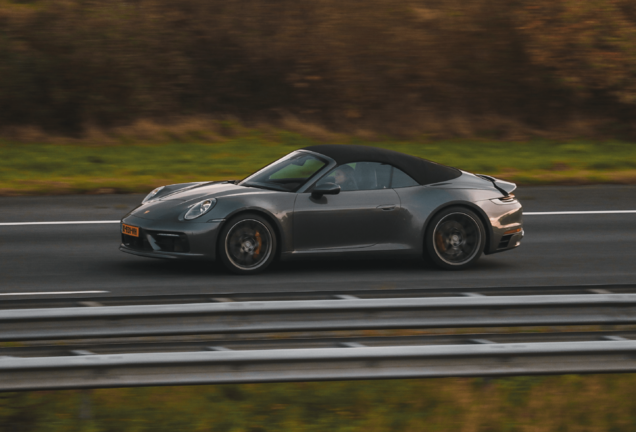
160	254
171	239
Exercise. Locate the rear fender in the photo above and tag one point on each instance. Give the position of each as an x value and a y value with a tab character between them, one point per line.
485	220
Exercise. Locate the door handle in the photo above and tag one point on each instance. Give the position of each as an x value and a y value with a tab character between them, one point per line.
387	207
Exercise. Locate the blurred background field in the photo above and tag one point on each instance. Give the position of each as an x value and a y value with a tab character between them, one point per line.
525	404
140	162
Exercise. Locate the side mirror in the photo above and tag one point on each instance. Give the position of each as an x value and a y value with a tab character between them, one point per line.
325	189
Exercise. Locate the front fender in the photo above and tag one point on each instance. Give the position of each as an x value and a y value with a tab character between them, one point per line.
277	207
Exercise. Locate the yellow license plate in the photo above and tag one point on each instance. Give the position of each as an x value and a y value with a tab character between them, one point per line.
130	230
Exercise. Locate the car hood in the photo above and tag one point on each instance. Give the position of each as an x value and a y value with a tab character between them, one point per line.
207	190
185	197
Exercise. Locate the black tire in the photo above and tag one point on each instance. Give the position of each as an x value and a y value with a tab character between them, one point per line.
455	238
247	244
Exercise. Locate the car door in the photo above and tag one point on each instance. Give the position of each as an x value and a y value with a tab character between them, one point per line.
365	213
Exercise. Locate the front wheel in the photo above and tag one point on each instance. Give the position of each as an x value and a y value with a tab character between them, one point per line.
455	238
247	244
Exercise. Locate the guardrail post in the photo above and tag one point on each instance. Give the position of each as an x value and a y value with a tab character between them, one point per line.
486	381
86	396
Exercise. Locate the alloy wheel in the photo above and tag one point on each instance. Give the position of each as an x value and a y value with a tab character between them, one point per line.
457	238
248	244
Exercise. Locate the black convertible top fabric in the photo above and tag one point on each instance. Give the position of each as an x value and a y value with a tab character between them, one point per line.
421	170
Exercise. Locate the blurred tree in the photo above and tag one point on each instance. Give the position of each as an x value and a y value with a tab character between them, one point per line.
454	65
588	45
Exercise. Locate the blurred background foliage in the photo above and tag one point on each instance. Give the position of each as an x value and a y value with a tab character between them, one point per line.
570	403
441	67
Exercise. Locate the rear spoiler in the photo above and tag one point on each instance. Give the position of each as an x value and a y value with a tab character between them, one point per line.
504	187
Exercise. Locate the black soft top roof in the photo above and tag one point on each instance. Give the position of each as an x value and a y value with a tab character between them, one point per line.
421	170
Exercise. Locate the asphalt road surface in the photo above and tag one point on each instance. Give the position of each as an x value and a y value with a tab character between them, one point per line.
557	250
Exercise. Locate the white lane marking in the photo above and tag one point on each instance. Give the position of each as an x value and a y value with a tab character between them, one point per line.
53	293
591	212
60	223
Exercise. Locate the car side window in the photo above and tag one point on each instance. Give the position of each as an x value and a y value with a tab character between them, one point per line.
360	176
402	179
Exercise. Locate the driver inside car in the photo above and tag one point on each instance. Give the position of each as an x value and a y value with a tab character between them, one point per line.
344	177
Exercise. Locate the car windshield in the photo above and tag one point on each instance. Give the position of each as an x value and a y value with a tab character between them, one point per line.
287	174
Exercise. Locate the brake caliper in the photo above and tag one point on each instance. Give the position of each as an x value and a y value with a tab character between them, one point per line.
439	242
257	251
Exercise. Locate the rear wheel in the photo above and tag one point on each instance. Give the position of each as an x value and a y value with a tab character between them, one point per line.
247	244
455	238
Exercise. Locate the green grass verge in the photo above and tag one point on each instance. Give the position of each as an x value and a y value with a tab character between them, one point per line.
137	167
571	403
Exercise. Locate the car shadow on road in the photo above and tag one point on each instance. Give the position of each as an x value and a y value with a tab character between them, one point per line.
314	267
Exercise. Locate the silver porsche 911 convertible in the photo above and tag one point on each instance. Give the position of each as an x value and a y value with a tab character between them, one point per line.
331	201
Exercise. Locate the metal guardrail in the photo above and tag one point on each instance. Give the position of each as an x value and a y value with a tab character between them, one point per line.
317	315
190	360
125	370
312	359
96	300
267	342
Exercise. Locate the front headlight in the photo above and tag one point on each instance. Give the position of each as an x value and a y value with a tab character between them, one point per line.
152	194
200	209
